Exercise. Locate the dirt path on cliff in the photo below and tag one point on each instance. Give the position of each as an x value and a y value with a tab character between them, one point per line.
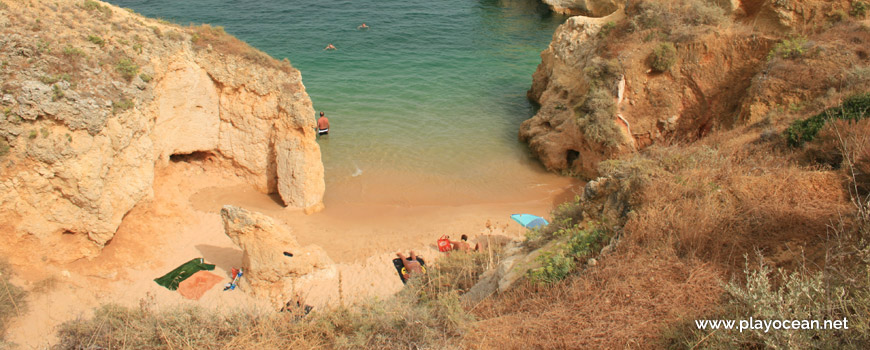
182	222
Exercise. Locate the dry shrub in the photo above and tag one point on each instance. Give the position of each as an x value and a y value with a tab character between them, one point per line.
845	144
675	17
426	314
623	303
595	116
11	299
723	203
205	35
409	320
459	271
695	212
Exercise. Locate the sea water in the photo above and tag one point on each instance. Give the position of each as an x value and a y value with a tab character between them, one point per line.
424	105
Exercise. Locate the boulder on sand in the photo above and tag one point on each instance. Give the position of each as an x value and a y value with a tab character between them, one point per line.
276	267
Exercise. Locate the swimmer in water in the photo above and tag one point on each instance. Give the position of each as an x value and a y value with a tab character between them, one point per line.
330	47
363	26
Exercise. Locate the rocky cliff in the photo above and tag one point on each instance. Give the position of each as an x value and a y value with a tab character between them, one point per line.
96	98
594	8
670	71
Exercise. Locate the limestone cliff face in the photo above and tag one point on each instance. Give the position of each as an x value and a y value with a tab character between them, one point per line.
95	98
600	95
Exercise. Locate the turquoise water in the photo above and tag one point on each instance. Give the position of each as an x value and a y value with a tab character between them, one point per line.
429	97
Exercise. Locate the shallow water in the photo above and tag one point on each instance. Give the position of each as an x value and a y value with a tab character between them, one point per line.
424	105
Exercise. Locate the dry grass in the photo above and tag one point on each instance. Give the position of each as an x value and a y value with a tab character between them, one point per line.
205	36
623	303
718	204
855	140
695	212
12	301
426	315
409	320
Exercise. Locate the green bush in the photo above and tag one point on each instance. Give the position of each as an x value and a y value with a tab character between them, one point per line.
557	264
802	131
145	77
859	9
32	135
565	217
72	51
789	48
663	57
96	40
595	116
127	68
56	93
121	105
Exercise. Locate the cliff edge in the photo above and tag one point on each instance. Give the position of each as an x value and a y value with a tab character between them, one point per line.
662	72
95	99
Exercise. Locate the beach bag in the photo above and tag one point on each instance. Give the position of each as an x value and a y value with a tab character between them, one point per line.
444	244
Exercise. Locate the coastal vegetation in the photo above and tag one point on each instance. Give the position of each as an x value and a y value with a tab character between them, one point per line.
214	37
663	57
427	313
853	109
12	297
766	217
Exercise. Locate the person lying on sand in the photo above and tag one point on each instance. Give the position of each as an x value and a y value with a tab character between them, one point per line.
413	266
330	47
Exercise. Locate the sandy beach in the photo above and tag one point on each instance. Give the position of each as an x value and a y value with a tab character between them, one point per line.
360	234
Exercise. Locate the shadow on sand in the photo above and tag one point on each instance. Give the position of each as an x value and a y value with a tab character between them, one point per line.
224	258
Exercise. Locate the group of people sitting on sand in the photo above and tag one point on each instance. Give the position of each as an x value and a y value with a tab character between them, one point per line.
413	265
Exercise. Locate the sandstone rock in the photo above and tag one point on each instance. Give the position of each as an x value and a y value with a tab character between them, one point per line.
559	82
84	146
269	273
591	8
703	91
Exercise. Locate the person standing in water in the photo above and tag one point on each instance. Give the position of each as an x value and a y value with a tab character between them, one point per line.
322	125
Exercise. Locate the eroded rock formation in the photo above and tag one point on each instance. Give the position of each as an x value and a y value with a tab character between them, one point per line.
592	8
600	95
276	267
95	98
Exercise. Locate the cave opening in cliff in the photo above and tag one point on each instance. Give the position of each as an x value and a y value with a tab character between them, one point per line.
571	156
196	156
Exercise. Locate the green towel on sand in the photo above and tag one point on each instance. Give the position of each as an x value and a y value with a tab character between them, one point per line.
181	273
